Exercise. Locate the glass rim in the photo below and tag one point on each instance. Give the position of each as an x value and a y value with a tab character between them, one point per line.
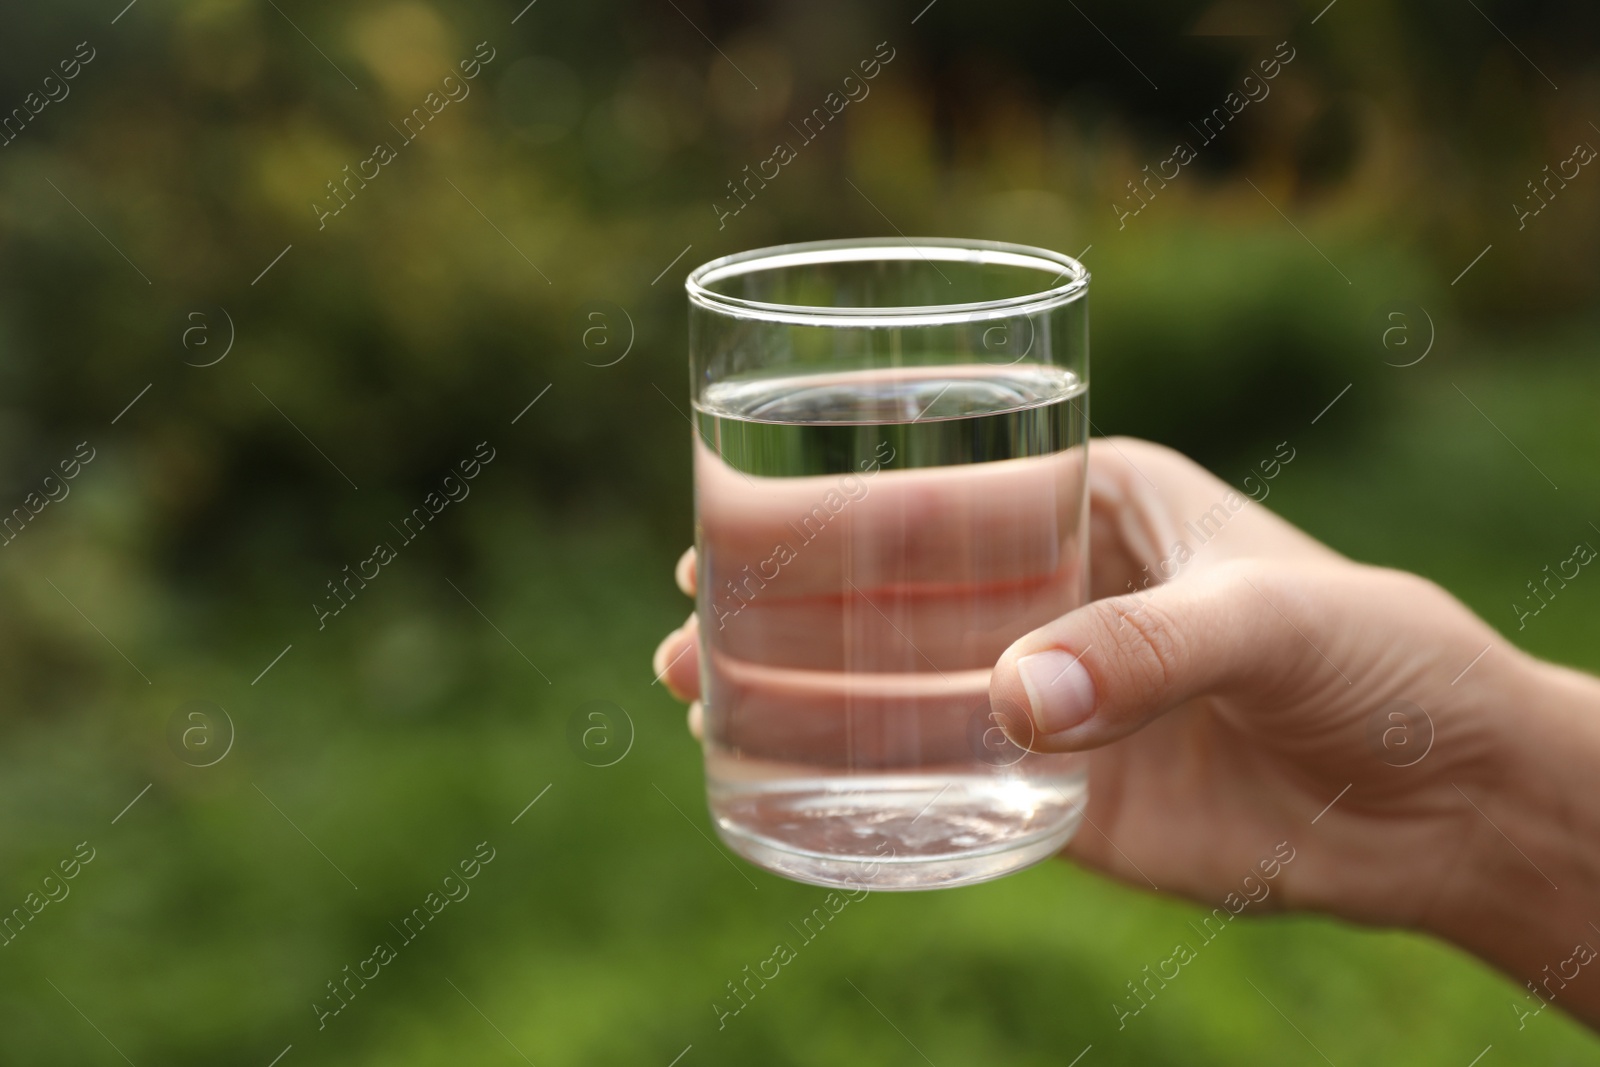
932	250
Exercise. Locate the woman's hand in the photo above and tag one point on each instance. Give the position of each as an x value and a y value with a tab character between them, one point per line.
1236	684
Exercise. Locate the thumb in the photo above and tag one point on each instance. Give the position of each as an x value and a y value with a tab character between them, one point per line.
1106	669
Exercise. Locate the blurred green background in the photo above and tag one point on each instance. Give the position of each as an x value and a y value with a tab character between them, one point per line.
529	244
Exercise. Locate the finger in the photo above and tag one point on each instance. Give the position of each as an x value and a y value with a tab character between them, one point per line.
1001	521
683	573
865	628
675	664
697	715
1101	672
846	720
892	570
1152	510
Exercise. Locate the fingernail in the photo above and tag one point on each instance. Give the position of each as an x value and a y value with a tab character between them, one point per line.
1060	691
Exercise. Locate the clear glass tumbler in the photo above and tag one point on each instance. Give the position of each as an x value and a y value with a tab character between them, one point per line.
890	464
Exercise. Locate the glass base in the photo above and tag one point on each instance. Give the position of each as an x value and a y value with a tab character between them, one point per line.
899	832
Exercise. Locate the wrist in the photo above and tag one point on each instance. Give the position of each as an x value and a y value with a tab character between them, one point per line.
1524	896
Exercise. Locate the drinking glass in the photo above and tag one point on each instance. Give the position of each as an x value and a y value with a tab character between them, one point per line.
890	465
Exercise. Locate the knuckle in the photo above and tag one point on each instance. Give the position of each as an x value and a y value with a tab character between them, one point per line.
1147	640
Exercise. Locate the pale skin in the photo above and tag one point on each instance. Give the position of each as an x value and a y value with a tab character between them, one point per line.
1234	700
